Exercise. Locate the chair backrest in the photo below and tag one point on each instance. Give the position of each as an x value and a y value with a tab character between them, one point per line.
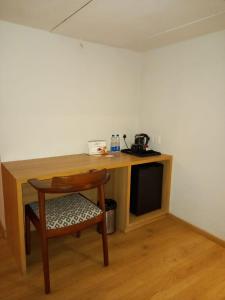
72	183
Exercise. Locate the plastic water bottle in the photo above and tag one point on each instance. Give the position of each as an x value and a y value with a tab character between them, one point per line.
117	142
113	143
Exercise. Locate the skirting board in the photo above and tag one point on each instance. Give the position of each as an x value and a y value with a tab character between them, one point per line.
2	231
198	230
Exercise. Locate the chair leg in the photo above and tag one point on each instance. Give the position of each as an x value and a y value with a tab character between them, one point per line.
27	233
104	243
44	248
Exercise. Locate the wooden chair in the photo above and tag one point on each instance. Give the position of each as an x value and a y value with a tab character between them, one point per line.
66	214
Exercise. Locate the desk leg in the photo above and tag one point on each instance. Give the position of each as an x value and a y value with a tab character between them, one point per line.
14	217
122	196
167	171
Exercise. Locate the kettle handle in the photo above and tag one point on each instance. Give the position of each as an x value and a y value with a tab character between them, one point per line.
147	138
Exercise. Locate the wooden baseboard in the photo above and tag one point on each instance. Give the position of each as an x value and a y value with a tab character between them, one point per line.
2	231
199	230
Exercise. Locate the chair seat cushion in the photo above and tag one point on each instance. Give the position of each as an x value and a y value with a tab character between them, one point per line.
67	210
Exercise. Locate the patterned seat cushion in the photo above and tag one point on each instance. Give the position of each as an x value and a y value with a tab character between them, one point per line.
67	210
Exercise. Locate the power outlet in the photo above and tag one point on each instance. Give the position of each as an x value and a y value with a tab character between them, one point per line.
156	140
159	140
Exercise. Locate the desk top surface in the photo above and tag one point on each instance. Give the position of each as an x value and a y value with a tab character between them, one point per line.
43	168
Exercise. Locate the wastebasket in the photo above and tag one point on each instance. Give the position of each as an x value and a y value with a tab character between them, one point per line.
110	208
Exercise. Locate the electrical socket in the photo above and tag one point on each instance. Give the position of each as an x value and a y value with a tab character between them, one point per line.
156	139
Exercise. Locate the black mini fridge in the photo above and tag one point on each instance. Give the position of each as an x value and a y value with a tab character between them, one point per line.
146	188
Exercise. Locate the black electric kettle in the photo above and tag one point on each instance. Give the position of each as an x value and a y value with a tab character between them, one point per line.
140	142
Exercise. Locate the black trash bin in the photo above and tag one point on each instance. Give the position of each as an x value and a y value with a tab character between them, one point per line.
110	208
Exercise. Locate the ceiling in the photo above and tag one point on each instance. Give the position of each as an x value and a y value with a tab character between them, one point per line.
132	24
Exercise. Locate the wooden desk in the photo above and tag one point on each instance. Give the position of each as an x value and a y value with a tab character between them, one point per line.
17	192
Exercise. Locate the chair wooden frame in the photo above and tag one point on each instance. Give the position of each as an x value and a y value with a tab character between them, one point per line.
65	184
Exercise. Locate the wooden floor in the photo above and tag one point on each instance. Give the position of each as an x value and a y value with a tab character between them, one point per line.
164	260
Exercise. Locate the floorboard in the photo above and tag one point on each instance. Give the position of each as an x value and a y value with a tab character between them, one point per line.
164	260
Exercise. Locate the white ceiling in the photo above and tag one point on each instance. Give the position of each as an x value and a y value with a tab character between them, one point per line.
133	24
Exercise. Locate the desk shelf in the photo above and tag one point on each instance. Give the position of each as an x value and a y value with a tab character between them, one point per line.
147	218
136	222
119	190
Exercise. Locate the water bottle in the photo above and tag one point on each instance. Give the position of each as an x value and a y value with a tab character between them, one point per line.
117	142
113	143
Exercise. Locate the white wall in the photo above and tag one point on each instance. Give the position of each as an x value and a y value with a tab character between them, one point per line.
56	95
184	103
